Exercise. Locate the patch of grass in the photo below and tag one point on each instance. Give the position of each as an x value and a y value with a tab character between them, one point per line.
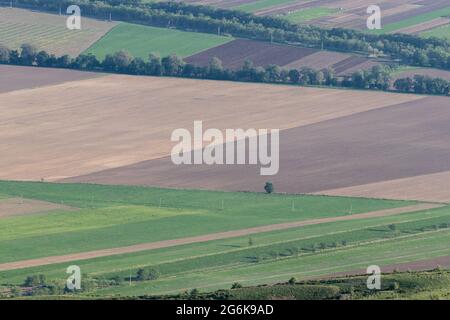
309	14
261	4
141	40
439	32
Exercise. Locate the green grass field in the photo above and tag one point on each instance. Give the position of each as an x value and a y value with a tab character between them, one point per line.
140	41
392	27
114	216
309	14
439	32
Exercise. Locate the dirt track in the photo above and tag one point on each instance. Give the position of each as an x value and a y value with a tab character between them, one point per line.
204	238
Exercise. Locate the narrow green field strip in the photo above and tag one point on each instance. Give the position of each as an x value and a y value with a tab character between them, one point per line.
261	4
309	14
439	32
391	27
235	250
140	41
23	227
412	248
238	204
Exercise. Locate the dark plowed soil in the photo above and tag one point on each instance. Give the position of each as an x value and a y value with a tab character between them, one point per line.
401	141
233	54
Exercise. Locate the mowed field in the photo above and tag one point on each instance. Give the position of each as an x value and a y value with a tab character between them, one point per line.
48	31
140	41
321	236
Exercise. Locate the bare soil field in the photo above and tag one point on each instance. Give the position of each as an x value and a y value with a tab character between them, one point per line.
233	54
17	78
19	206
401	141
421	27
48	31
55	132
429	187
319	60
434	73
207	237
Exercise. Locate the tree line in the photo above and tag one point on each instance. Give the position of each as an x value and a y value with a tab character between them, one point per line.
378	78
413	50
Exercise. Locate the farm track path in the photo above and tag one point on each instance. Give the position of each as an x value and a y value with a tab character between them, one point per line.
208	237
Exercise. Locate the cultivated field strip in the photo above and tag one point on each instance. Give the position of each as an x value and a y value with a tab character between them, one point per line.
14	78
48	31
430	187
234	54
210	237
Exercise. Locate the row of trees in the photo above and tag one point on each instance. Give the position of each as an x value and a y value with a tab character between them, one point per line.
422	84
410	49
378	78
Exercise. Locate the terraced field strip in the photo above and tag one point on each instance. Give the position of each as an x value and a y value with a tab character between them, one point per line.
406	249
210	237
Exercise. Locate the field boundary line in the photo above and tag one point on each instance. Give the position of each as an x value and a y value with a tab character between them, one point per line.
208	237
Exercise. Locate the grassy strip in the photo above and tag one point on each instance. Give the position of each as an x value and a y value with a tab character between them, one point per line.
309	14
141	40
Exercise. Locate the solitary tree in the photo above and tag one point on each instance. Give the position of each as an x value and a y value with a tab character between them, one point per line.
269	187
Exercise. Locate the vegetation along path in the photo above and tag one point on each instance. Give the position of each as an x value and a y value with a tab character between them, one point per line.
207	237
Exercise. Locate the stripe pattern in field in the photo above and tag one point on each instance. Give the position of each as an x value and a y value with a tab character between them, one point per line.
48	31
348	14
234	54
